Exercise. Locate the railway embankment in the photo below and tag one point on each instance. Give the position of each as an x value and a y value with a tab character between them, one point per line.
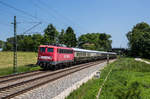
62	87
128	79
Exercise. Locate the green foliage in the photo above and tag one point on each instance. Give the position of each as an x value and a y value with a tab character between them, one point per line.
90	89
92	41
84	93
95	41
70	38
61	37
1	43
139	40
129	79
50	35
25	42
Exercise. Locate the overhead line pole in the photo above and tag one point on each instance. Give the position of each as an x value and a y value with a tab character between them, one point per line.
15	47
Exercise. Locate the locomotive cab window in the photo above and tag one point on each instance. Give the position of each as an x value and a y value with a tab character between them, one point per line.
42	49
50	50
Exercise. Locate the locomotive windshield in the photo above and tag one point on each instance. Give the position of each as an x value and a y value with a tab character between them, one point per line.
42	49
50	50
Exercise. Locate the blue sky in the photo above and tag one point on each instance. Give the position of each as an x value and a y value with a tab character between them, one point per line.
115	17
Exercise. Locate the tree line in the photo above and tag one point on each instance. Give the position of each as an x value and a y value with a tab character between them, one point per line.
1	43
139	40
51	36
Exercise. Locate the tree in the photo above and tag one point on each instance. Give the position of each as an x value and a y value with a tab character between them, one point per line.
1	43
24	42
139	40
95	41
61	37
37	41
104	41
9	44
70	38
50	35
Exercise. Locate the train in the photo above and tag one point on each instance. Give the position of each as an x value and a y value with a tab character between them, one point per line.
50	57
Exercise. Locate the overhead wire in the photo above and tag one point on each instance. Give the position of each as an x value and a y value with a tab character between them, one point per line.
34	17
31	28
19	10
46	10
59	14
23	12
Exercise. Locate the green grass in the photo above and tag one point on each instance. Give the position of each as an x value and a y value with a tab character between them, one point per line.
90	89
26	62
20	69
24	58
129	79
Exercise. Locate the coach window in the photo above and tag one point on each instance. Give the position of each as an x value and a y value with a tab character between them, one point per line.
65	51
62	50
42	49
68	51
59	50
50	50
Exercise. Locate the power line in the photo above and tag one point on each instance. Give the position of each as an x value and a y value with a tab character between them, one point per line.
32	28
47	12
59	14
40	4
23	12
19	10
28	22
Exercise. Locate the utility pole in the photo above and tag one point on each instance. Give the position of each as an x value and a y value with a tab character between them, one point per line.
15	47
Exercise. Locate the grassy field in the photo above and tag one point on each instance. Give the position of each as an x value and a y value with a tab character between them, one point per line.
129	79
26	62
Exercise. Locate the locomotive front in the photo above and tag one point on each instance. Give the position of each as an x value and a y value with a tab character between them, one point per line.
46	56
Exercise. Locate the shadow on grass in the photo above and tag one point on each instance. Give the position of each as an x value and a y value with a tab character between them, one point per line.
31	65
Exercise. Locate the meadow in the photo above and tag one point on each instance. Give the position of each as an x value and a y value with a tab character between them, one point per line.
129	79
26	61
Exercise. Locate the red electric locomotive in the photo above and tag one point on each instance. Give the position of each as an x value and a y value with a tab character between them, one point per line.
50	56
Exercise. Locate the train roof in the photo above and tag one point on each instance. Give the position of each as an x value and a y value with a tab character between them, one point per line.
84	50
112	53
55	46
78	49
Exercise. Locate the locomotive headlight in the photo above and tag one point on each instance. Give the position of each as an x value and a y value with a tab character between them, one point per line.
50	57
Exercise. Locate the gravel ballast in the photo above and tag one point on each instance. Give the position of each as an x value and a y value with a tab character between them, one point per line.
60	88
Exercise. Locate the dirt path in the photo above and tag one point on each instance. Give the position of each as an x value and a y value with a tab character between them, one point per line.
141	60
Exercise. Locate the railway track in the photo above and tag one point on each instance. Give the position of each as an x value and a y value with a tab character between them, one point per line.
9	90
19	76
